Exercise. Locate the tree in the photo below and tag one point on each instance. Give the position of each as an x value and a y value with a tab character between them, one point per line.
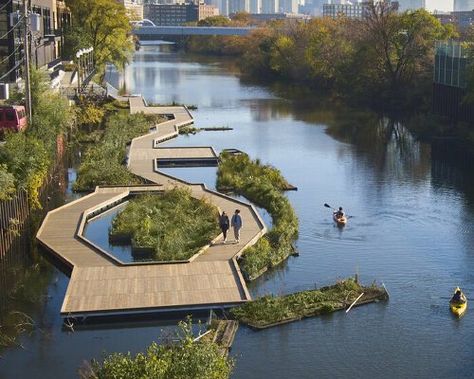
104	25
214	21
402	45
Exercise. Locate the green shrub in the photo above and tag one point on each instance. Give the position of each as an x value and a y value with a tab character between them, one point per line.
29	155
185	359
28	160
7	183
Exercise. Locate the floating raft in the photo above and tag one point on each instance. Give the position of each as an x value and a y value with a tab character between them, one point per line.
269	311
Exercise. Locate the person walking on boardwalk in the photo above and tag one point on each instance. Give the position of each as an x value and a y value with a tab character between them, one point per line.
224	224
237	224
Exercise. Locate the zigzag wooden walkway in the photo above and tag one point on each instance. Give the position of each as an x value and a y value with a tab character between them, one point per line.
101	285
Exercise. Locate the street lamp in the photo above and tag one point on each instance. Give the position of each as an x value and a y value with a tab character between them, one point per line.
84	65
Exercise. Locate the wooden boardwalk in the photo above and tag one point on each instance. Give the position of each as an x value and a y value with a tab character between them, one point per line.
101	285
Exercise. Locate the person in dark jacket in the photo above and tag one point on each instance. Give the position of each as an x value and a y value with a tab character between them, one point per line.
224	224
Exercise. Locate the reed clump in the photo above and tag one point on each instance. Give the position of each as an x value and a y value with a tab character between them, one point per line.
172	226
103	162
263	185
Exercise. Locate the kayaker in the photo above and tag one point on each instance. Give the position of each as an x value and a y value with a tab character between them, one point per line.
339	213
458	297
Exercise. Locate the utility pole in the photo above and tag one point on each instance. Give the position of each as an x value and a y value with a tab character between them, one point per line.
27	60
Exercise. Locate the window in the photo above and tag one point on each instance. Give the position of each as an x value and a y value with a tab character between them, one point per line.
10	116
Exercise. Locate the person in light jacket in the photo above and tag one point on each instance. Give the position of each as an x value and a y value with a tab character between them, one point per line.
237	224
224	224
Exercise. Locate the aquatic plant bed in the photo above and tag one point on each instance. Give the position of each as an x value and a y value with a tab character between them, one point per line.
103	161
269	311
184	358
172	226
264	186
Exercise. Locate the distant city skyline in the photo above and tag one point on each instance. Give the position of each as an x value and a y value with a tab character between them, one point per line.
441	5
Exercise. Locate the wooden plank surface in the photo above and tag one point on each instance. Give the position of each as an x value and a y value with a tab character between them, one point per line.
101	285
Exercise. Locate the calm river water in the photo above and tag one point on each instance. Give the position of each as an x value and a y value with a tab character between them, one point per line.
412	228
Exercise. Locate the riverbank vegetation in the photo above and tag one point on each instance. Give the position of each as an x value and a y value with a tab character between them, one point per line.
26	158
29	285
383	61
263	185
184	359
171	226
272	310
104	162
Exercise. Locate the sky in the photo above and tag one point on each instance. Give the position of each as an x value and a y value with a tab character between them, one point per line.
441	5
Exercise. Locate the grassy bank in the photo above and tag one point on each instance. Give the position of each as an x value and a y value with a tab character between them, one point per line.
27	158
172	226
184	359
263	185
272	310
104	162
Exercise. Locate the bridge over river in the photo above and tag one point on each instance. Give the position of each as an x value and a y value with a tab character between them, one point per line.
173	32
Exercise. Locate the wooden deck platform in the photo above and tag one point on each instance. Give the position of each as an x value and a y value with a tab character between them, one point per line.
186	156
101	285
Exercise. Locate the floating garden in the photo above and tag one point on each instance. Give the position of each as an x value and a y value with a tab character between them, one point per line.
103	162
264	186
172	226
270	310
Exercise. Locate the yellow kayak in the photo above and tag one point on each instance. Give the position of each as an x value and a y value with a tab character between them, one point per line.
340	221
458	308
458	303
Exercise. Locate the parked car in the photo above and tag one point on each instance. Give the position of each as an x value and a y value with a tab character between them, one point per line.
12	118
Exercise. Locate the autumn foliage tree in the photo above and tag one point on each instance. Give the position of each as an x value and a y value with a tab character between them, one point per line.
104	25
384	60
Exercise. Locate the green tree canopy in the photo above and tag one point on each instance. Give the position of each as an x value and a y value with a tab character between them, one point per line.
104	25
215	21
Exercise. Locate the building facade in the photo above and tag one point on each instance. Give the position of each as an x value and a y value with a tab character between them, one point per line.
463	5
354	10
134	8
450	81
178	14
407	5
349	10
236	6
289	6
46	37
270	6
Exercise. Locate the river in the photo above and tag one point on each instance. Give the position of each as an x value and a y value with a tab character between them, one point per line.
411	228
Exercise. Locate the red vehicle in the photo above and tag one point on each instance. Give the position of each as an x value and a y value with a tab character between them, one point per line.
12	118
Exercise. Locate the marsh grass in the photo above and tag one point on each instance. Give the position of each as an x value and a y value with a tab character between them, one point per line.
269	310
103	162
264	186
172	225
185	358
